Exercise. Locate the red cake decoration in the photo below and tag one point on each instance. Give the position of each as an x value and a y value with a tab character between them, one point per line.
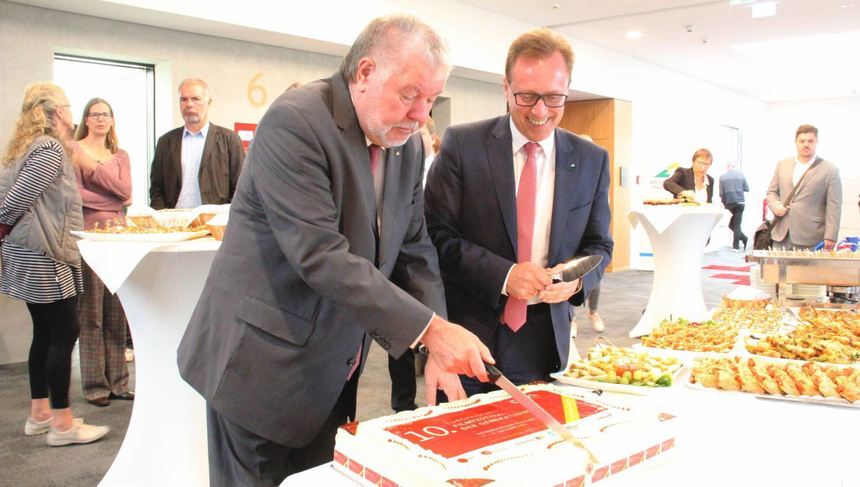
339	457
636	458
469	482
453	434
352	427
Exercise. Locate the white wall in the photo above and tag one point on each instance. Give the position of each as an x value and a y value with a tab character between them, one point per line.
838	142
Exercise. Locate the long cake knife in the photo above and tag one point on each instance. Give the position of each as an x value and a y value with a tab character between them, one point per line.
534	408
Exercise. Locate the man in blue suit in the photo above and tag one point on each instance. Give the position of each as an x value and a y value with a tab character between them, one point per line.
508	200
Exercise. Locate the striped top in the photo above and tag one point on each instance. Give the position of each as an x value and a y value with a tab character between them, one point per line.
24	274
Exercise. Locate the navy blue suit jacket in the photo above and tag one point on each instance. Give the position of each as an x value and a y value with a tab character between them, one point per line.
472	219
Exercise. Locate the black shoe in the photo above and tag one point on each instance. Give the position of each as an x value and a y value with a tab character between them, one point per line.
413	407
100	401
125	396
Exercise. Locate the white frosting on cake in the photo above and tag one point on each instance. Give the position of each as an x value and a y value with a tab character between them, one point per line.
399	449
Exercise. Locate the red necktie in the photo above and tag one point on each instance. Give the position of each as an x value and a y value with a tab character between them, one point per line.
374	157
515	309
374	163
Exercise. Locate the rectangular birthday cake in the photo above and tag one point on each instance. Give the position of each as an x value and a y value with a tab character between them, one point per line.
489	439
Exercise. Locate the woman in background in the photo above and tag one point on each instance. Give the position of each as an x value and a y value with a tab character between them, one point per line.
104	181
39	205
693	183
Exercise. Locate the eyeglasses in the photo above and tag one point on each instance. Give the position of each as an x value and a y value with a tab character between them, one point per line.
551	100
98	115
706	164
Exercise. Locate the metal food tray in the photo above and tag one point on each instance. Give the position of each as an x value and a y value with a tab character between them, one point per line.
831	271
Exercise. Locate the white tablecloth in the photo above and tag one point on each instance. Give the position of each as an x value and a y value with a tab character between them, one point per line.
165	444
678	235
728	439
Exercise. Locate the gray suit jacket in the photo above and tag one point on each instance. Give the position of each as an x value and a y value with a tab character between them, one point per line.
816	208
472	218
220	166
300	278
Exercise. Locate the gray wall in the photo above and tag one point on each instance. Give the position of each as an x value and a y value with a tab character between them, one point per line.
30	36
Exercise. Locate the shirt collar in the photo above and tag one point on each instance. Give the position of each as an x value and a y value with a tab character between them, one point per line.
370	142
518	140
203	131
811	160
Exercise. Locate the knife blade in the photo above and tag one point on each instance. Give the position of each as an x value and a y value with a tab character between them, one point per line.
497	378
577	268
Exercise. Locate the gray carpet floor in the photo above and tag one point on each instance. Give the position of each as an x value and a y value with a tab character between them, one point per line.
29	462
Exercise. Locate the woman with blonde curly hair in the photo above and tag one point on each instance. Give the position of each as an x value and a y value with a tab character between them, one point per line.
41	265
104	180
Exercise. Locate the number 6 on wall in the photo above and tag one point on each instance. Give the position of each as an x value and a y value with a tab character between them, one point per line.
256	93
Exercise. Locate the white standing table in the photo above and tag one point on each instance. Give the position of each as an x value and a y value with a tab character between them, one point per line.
678	235
165	444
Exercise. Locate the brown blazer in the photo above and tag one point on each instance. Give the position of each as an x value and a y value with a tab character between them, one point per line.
220	166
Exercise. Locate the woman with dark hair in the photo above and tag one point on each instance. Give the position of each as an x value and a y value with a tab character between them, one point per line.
41	265
104	181
693	183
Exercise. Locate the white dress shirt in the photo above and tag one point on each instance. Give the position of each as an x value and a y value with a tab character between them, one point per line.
701	195
545	190
192	153
799	169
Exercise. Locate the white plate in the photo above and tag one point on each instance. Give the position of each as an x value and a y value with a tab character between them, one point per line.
140	237
829	401
610	387
685	356
758	336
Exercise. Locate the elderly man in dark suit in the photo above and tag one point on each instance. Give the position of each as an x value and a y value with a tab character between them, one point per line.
508	200
327	249
198	163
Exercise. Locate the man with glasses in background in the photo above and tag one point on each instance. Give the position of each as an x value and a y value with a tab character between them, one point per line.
509	199
198	163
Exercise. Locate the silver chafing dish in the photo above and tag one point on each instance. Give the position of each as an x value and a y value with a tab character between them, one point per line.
839	271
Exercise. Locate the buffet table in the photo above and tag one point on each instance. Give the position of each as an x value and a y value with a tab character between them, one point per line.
678	236
727	439
158	285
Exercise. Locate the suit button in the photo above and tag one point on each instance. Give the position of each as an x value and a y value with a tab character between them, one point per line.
350	362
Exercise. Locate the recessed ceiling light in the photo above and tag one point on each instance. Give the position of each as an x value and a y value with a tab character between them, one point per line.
763	9
633	34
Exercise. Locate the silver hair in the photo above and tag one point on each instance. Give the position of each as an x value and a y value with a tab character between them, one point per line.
387	39
194	81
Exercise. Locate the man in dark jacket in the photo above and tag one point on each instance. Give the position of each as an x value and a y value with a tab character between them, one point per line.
198	163
733	185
